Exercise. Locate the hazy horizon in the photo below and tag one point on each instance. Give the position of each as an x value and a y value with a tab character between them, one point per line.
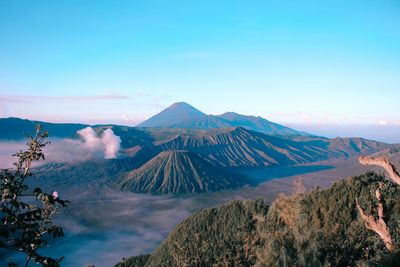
382	131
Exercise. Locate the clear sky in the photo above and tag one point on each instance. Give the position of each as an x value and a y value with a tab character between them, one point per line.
301	62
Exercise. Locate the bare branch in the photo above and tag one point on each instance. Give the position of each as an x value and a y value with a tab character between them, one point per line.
378	226
384	163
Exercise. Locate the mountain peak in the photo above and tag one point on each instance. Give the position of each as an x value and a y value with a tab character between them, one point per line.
178	171
183	115
172	115
182	105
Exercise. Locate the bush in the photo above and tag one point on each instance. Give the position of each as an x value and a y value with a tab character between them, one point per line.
27	216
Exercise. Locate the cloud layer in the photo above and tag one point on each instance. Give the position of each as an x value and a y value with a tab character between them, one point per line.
34	98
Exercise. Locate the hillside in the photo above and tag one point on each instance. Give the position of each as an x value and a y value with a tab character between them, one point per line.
183	115
178	171
257	124
90	171
15	128
239	147
321	228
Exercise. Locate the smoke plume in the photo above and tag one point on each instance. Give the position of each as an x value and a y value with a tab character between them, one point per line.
67	150
108	142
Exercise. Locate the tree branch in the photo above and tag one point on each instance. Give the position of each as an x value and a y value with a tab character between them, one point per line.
385	164
378	226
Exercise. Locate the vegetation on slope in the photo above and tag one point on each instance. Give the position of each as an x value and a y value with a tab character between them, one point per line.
27	216
224	236
136	261
321	228
324	228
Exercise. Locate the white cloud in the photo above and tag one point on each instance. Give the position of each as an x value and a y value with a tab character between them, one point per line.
108	143
382	122
67	150
133	119
111	144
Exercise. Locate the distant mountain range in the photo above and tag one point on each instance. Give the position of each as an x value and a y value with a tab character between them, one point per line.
183	115
239	147
153	162
177	161
152	158
179	116
16	128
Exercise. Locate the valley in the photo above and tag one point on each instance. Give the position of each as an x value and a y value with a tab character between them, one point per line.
199	133
103	225
127	205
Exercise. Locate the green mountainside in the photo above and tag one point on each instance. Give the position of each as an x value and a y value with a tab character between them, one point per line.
320	228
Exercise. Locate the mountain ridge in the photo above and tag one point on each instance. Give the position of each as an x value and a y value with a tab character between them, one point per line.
178	116
13	128
226	147
240	147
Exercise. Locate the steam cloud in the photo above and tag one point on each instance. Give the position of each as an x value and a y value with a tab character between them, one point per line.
109	143
68	150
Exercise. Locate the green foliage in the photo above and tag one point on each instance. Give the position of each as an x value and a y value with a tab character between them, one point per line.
137	261
27	216
222	236
321	228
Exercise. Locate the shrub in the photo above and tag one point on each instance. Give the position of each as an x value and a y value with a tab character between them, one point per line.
26	215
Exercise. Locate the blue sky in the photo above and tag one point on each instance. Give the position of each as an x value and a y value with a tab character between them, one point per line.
298	62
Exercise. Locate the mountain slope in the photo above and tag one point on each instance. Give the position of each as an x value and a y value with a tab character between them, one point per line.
89	171
321	228
172	115
15	128
178	171
183	115
257	124
238	147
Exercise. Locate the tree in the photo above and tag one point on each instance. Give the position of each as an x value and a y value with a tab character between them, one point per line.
27	216
378	225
